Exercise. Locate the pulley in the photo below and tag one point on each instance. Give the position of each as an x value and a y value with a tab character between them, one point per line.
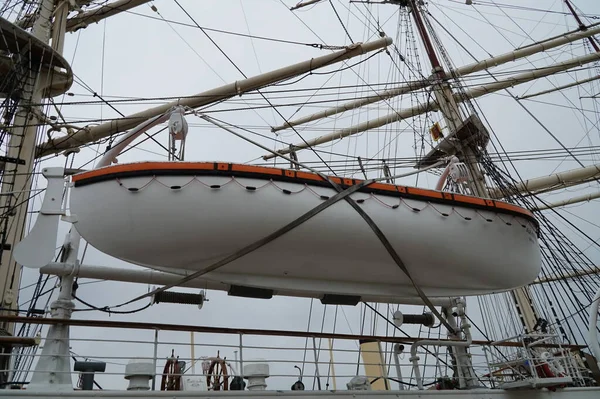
387	173
294	158
178	126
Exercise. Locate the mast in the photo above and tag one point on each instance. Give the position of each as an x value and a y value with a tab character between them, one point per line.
43	75
521	296
467	154
17	177
452	116
448	105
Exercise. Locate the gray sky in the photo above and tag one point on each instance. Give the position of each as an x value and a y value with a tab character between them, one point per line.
133	56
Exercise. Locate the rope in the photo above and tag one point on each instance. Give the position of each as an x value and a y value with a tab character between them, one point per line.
342	194
345	195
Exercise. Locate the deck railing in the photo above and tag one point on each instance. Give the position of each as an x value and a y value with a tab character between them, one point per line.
322	361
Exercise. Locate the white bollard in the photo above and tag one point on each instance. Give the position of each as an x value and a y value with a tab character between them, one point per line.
139	372
256	373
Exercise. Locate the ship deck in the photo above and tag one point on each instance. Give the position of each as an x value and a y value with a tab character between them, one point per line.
124	342
571	393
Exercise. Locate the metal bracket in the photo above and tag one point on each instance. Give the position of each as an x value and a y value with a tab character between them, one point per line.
362	167
387	173
37	249
69	218
294	157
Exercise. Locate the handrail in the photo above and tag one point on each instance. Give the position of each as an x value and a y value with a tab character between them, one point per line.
243	331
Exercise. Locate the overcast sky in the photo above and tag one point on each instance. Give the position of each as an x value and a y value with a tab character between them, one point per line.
136	55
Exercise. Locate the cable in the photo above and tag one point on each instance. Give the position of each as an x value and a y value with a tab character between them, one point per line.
244	75
270	39
341	22
108	309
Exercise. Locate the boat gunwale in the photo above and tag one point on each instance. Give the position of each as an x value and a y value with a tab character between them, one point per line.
141	169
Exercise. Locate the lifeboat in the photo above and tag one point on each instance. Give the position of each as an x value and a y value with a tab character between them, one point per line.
180	217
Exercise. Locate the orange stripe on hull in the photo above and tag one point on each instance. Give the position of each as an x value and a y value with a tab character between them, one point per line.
512	208
261	172
139	167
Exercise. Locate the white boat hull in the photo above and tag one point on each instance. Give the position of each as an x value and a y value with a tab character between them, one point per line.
145	221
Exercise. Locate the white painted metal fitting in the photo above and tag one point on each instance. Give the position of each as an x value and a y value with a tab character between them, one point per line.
359	383
139	372
256	373
398	318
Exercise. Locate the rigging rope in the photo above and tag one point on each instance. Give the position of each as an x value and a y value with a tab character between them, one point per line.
342	194
380	235
555	248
